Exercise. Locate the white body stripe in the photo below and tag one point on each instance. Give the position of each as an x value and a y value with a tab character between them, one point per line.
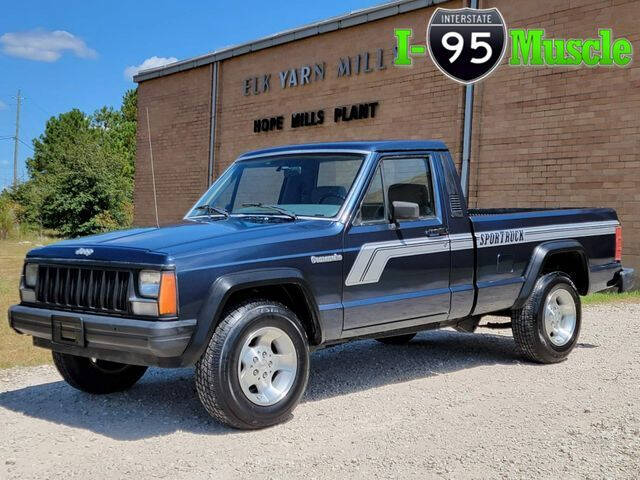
373	257
543	233
461	241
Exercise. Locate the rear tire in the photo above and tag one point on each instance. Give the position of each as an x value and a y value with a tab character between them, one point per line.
397	339
255	369
546	329
96	376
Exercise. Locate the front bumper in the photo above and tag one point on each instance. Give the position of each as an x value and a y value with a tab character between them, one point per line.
625	279
125	340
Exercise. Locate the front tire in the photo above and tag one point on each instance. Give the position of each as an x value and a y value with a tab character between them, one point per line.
256	366
96	376
546	329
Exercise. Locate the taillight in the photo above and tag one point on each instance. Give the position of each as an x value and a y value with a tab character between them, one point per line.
619	244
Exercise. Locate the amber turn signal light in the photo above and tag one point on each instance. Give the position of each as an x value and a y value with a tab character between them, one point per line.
168	297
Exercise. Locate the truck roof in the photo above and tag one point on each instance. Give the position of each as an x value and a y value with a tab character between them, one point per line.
369	146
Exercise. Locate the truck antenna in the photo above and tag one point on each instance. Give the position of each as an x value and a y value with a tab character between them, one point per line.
153	175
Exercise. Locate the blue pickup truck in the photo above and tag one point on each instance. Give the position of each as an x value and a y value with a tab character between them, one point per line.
300	247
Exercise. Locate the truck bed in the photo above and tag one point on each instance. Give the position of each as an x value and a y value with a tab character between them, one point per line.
500	211
506	240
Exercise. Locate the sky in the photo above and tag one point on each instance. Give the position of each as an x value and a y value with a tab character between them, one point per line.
81	54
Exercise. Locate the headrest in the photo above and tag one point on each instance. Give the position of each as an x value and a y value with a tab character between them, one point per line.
411	192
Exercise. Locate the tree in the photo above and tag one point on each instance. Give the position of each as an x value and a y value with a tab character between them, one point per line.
81	173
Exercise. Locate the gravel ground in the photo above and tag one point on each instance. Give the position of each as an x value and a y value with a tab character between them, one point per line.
448	405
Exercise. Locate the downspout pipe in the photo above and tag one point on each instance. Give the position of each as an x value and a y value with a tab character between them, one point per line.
466	133
212	133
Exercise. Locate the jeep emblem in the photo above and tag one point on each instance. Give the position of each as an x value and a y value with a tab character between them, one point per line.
84	251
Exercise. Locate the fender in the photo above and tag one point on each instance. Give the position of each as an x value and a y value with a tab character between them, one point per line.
540	254
223	287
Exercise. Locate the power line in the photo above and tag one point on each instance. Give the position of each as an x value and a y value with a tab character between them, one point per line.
19	140
26	145
37	105
16	140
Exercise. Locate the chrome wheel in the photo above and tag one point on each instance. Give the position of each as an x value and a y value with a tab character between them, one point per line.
268	365
560	317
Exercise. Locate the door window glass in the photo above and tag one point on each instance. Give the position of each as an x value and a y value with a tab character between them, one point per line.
409	180
372	208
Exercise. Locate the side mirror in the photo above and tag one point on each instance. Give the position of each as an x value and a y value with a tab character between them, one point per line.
405	211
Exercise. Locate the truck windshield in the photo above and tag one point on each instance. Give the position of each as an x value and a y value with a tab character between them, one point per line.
314	185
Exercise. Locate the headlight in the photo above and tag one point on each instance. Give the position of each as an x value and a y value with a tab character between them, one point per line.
31	275
158	285
149	283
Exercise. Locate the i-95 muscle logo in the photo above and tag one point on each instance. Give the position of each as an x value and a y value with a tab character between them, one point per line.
467	44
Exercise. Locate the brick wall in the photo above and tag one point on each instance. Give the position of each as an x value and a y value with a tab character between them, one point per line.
541	136
179	113
551	137
414	102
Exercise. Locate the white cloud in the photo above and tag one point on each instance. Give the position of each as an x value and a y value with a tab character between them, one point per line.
43	45
152	62
2	105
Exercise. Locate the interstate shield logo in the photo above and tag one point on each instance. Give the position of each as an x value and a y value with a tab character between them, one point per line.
466	44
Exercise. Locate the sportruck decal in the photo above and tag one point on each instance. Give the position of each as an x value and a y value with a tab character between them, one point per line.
547	232
372	258
502	237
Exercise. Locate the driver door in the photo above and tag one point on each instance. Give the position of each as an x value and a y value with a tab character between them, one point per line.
396	275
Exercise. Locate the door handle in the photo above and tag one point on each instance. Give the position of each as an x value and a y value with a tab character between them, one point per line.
436	232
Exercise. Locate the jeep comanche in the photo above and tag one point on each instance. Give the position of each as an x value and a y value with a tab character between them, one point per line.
300	247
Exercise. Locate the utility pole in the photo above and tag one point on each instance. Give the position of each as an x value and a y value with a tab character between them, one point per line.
15	142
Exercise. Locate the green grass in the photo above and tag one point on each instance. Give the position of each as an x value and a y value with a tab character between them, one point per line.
611	297
16	350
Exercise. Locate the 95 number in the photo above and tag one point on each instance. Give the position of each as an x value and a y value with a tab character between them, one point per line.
454	42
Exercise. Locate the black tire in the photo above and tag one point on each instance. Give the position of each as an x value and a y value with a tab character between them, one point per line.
96	376
528	323
217	379
397	339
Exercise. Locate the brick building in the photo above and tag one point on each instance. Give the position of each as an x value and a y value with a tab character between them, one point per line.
545	137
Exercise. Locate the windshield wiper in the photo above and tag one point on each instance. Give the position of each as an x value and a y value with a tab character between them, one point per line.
275	208
210	209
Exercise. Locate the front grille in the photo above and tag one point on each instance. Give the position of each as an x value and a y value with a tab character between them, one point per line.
83	288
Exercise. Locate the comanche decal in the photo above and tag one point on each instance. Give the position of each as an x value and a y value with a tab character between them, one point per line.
336	257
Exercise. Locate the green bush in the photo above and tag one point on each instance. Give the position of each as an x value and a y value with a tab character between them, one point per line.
8	222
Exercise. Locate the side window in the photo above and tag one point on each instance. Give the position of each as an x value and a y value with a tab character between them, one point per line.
409	180
372	208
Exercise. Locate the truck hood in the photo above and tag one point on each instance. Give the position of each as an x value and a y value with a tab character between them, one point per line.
160	245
